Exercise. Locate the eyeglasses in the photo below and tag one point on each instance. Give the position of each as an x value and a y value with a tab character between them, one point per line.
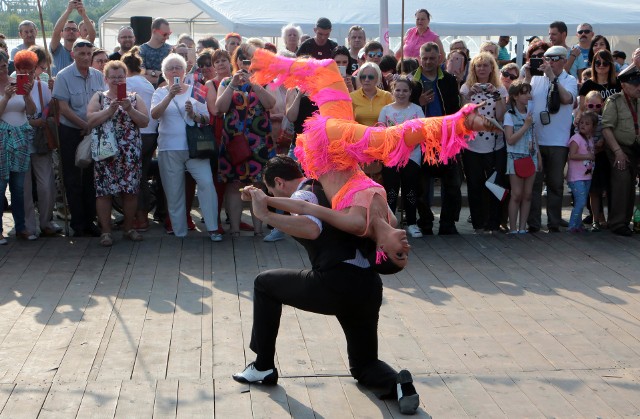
71	29
83	44
509	75
367	77
174	68
584	31
43	67
539	55
594	105
101	61
375	54
165	34
207	64
117	77
602	63
553	58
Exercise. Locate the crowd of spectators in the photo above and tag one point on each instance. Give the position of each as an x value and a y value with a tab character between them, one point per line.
207	82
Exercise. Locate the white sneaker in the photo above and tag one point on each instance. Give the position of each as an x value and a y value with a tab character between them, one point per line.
414	231
274	236
215	237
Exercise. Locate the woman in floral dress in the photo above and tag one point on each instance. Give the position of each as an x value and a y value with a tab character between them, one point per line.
119	174
246	107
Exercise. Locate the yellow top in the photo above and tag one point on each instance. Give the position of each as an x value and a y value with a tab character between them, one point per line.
367	110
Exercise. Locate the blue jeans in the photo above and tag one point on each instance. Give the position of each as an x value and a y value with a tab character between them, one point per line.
580	191
16	187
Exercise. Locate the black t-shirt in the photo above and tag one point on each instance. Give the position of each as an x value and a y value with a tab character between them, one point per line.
309	47
352	67
115	56
605	90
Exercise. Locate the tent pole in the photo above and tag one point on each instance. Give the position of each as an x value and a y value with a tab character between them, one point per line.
384	25
402	39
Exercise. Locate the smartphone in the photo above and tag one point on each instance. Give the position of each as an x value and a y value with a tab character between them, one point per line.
44	77
21	80
343	70
426	88
176	80
122	91
534	66
246	62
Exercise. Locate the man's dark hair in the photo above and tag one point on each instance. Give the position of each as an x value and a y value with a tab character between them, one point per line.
209	42
157	22
323	23
560	26
388	63
429	46
283	167
372	46
339	50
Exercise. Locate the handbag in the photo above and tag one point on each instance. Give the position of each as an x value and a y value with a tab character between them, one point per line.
103	141
83	152
524	167
43	137
201	142
553	98
238	149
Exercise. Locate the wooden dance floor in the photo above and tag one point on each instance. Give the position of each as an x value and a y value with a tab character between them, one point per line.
544	325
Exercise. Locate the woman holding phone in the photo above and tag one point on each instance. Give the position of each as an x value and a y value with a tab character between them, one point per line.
247	144
14	137
487	153
123	114
173	107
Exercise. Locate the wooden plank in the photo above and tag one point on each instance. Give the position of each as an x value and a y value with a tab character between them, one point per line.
363	403
100	399
5	392
166	400
195	399
136	399
544	395
25	400
471	395
511	400
63	400
436	399
297	397
327	397
269	402
232	399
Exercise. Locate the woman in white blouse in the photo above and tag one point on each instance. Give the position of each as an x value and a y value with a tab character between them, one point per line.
174	107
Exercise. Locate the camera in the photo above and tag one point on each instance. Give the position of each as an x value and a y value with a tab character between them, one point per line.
246	62
545	118
484	86
534	66
176	80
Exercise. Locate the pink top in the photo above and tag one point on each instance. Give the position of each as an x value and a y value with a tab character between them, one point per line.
413	41
580	169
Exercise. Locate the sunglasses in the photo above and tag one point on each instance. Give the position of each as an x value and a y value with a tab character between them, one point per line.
207	64
165	34
584	31
83	44
375	54
367	77
539	55
602	63
594	105
509	75
71	29
553	58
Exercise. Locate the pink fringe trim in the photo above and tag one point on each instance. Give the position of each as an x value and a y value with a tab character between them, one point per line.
330	95
453	143
357	183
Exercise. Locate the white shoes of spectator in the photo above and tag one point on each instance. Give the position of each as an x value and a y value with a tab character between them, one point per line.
274	236
414	231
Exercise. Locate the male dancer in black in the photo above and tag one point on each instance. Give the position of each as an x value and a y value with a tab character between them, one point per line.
341	283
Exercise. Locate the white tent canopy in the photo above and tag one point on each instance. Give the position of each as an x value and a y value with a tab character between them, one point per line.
265	18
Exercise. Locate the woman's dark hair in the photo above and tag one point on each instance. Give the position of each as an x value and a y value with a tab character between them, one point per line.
388	63
43	55
205	55
423	11
240	53
604	55
386	265
535	46
98	51
283	167
4	56
132	60
220	53
592	116
407	66
209	42
340	50
593	42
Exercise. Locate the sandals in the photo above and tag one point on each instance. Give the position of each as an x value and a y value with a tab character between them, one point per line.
132	235
106	240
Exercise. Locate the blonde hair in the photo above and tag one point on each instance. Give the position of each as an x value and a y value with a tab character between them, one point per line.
592	94
483	57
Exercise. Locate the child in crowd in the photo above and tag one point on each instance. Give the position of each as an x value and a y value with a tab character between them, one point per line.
408	176
518	131
580	170
600	178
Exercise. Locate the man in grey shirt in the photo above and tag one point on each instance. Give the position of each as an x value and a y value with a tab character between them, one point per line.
74	87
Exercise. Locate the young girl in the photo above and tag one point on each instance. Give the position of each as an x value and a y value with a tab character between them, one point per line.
600	178
408	176
518	131
581	163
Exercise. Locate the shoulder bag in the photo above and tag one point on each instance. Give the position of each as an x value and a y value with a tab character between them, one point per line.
200	139
43	140
103	141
